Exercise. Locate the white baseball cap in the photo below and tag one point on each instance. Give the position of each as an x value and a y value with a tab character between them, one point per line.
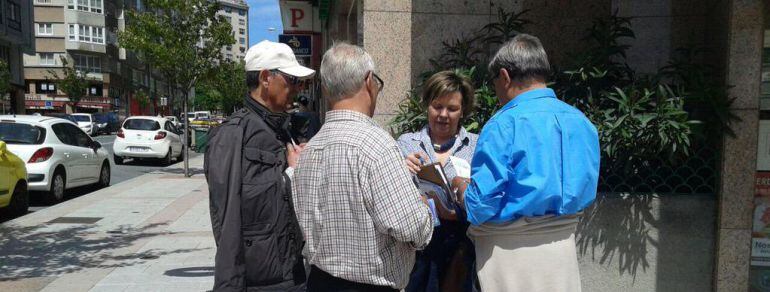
267	55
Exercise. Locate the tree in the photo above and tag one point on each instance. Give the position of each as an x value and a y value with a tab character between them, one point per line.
182	39
5	82
73	82
224	88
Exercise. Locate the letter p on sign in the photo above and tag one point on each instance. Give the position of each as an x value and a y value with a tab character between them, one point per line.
296	15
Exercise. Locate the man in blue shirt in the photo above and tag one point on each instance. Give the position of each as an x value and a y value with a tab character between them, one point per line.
535	168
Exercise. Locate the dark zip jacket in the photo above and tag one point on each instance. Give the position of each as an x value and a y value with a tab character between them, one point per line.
258	239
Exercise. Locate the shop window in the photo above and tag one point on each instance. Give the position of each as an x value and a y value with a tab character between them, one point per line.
46	87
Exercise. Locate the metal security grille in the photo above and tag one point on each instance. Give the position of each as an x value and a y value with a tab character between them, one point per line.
696	175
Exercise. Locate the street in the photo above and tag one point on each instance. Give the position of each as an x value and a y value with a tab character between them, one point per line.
120	173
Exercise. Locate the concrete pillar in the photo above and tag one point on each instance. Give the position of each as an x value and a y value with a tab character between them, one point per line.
738	166
17	100
386	29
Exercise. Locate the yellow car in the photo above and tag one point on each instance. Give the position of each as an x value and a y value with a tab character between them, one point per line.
14	198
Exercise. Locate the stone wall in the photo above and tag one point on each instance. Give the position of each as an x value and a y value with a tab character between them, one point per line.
648	243
403	35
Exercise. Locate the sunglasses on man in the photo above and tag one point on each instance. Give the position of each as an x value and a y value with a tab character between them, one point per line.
292	80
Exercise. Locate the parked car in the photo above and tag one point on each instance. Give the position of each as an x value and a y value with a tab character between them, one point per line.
199	115
146	137
57	153
174	121
87	123
106	123
14	198
63	116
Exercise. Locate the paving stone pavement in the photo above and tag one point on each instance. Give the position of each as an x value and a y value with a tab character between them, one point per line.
153	234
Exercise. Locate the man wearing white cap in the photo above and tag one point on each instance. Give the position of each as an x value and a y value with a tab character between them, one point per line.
248	165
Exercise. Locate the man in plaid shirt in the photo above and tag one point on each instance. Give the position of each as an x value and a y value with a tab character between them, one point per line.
360	213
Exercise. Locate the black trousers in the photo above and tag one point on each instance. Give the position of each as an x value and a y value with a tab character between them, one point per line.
320	281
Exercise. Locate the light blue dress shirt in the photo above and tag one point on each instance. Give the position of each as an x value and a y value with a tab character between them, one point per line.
536	156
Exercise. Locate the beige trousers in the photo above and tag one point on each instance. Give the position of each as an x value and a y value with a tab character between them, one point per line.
528	255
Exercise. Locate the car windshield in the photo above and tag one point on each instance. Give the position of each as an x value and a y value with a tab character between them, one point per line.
13	133
81	118
202	116
141	124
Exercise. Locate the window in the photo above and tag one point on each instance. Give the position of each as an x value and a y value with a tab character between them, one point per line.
80	138
242	31
62	132
45	29
170	127
243	49
86	33
98	35
46	87
14	16
47	59
243	41
73	36
43	1
95	90
241	21
86	63
83	5
94	6
242	12
141	124
228	9
18	133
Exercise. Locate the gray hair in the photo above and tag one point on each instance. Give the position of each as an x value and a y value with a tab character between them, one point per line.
343	70
523	57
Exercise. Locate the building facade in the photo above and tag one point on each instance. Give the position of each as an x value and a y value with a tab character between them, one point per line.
237	13
84	34
712	241
16	38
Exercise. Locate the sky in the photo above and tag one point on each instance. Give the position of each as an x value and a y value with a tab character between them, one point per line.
264	14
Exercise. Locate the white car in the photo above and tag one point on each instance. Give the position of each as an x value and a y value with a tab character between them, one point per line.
199	115
57	153
174	121
87	123
146	137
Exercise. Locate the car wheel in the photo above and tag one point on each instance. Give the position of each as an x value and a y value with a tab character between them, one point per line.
118	160
19	201
167	160
104	175
58	185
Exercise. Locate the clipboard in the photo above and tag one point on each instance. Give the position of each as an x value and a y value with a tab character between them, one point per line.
434	174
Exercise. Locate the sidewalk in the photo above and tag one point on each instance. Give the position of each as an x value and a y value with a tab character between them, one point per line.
150	233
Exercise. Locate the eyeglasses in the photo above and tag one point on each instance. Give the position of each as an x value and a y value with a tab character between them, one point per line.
293	80
380	83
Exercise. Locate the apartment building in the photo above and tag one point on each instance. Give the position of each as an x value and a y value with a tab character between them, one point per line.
237	12
84	33
16	37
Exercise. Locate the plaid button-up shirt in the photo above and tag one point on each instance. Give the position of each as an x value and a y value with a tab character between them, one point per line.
360	212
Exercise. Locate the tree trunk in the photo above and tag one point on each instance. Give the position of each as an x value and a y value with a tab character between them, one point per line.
187	135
